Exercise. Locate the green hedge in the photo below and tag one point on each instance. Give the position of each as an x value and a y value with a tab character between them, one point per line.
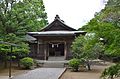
74	63
27	62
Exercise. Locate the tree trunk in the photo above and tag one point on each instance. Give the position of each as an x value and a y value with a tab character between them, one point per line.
111	77
88	65
5	64
5	60
18	63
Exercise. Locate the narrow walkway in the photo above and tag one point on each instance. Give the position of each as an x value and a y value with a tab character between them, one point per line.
4	77
42	73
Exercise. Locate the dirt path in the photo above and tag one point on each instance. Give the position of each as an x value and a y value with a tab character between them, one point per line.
15	71
93	74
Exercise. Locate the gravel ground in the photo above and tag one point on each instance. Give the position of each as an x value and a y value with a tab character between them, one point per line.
15	72
42	73
93	74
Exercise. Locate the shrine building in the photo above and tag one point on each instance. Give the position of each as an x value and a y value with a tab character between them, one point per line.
53	40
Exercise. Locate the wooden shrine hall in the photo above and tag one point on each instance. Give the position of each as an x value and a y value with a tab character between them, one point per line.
53	40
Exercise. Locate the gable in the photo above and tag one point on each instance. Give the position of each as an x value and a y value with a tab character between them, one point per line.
58	25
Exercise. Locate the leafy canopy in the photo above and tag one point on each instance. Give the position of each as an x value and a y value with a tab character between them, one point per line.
106	25
86	47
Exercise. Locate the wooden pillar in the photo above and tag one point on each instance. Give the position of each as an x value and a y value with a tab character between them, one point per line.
65	50
38	47
45	51
48	50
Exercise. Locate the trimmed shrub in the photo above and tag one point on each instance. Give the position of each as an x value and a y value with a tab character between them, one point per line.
27	62
74	63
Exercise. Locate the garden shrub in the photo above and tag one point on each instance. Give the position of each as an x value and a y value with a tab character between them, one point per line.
27	62
111	72
74	63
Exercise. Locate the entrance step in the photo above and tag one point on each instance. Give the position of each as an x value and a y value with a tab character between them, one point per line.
53	62
53	65
59	58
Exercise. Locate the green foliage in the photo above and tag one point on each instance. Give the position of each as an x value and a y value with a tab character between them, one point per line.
17	17
87	47
106	25
27	62
77	47
17	52
22	16
111	72
111	12
4	51
21	51
74	63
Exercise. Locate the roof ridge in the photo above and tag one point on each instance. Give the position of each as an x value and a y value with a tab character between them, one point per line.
57	18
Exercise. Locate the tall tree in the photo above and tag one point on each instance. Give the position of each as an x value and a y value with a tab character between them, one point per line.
106	25
20	16
87	48
17	17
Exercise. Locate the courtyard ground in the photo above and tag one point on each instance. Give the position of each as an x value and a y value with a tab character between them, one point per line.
84	74
15	71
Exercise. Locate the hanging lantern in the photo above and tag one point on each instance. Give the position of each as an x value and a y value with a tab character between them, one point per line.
52	45
57	45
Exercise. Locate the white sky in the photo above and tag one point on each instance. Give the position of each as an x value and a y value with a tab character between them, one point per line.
75	13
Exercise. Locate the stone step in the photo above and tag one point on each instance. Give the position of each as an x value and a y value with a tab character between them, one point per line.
56	58
53	65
